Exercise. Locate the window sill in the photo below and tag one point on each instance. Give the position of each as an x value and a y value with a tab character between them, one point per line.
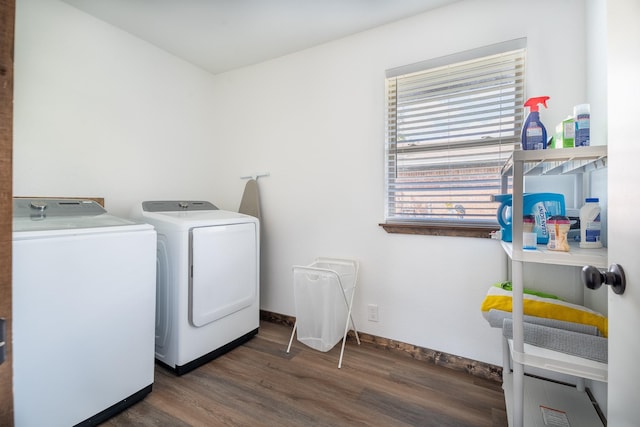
439	230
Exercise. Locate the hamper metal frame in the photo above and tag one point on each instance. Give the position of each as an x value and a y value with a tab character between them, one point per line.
344	289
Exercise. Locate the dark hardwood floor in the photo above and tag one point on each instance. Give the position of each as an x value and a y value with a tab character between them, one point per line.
259	384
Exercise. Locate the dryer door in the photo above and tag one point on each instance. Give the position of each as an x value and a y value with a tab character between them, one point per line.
224	271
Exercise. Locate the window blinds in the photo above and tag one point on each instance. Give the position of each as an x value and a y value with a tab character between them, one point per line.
450	129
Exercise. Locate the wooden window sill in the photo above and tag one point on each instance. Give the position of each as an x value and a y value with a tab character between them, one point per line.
439	230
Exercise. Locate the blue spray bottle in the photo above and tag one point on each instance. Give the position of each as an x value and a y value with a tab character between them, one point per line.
534	134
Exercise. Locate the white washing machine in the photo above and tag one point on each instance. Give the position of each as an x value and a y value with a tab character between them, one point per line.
207	280
83	312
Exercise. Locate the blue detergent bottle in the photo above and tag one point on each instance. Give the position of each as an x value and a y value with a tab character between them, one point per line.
540	206
534	134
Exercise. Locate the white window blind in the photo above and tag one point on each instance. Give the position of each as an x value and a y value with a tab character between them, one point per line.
451	125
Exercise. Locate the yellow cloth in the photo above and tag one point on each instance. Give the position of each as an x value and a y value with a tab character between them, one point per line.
500	299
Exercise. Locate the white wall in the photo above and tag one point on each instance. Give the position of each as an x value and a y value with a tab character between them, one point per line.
315	121
99	112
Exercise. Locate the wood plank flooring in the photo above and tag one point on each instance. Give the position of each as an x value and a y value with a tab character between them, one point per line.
259	384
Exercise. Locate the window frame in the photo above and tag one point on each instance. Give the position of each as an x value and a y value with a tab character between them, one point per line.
447	227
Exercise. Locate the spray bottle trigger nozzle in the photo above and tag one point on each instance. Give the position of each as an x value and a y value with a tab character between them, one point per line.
532	103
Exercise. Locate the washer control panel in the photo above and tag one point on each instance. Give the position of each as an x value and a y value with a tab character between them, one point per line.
55	207
177	206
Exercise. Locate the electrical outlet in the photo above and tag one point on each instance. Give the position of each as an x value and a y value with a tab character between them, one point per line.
372	313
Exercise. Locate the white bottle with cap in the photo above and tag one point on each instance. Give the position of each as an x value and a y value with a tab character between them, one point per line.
590	224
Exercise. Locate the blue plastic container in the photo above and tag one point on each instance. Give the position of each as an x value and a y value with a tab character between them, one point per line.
541	206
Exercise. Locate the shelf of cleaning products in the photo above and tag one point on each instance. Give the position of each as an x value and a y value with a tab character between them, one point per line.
577	160
575	404
559	161
576	257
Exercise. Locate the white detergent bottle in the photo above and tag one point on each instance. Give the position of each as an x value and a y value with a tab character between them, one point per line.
590	224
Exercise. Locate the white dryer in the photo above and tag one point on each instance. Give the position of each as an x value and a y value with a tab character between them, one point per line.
207	280
83	312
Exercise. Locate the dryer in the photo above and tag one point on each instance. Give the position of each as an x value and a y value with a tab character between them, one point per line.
83	312
207	287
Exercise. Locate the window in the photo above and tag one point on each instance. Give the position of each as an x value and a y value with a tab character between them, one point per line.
452	123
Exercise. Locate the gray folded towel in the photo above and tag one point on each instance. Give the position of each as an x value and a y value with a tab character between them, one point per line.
584	345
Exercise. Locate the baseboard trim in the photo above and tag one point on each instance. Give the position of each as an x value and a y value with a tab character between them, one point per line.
457	363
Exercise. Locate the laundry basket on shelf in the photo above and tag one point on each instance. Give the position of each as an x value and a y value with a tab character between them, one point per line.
323	294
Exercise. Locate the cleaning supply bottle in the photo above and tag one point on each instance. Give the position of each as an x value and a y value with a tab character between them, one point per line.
582	118
558	227
590	224
534	134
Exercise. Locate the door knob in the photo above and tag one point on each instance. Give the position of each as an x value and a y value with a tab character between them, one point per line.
593	278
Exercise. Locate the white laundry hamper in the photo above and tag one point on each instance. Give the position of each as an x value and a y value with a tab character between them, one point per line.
323	293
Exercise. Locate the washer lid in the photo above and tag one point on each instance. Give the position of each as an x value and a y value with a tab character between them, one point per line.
177	206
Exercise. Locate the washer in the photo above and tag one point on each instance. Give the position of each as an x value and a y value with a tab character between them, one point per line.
83	312
207	280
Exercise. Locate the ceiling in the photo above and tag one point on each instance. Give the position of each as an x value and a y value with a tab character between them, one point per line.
222	35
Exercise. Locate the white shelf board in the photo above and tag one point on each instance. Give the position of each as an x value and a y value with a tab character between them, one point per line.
576	257
576	404
558	161
561	154
550	360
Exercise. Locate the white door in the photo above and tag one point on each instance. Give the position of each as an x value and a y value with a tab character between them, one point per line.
624	201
